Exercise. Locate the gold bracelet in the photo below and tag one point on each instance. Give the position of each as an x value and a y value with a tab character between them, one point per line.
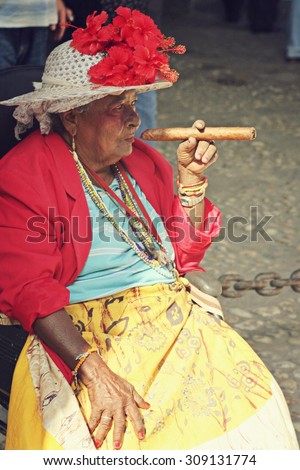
81	358
193	189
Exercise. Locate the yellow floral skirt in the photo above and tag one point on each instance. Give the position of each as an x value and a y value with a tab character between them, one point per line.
206	386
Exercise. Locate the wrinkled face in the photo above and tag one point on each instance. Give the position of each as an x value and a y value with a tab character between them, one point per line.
105	131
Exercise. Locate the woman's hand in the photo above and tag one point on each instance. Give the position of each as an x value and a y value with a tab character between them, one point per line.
113	401
63	15
194	157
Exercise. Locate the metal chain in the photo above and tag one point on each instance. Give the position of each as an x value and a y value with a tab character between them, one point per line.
266	284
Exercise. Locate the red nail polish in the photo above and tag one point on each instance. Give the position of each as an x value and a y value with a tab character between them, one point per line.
148	404
97	443
141	434
117	445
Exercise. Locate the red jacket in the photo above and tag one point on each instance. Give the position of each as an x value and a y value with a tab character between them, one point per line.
45	227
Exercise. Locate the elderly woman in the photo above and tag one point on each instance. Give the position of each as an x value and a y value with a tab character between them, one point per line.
122	351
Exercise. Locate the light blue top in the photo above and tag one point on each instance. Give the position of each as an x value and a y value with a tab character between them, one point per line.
27	13
112	265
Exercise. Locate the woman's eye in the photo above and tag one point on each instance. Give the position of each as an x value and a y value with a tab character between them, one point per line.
121	106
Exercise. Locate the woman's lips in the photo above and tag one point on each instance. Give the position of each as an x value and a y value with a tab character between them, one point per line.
130	139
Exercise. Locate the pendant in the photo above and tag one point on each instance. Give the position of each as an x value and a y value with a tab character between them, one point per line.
163	258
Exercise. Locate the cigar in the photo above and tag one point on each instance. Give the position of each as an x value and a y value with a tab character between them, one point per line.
209	133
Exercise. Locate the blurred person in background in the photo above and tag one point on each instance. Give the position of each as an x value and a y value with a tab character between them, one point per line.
293	46
233	10
262	15
25	27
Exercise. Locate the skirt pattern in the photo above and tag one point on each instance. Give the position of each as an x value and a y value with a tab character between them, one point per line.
206	386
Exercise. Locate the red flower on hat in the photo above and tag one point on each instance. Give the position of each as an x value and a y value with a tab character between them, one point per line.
115	67
134	47
137	28
95	37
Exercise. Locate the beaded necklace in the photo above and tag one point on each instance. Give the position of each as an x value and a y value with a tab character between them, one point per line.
156	258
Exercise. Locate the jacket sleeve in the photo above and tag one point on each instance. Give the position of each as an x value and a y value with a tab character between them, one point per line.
30	251
190	244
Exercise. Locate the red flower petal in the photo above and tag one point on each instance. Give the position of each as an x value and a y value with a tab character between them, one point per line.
136	50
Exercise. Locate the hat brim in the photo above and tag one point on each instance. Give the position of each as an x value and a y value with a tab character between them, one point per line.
54	94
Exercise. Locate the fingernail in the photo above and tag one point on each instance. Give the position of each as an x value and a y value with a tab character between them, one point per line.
117	445
97	443
141	434
148	404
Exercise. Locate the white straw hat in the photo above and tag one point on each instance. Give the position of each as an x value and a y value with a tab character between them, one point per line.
65	85
66	81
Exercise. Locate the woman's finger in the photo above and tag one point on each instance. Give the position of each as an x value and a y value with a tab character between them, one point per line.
94	419
209	153
137	421
139	400
201	150
103	428
119	429
212	160
185	151
199	124
69	14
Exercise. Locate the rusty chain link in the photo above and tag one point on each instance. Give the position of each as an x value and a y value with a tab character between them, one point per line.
266	284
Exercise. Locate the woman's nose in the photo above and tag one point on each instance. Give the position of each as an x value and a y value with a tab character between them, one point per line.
133	118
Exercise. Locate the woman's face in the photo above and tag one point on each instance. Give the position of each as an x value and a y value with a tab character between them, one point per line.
105	132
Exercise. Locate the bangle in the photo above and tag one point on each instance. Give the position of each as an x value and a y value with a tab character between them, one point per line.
192	189
191	201
81	358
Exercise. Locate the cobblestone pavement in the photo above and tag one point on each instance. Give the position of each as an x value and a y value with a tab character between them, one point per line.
231	77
